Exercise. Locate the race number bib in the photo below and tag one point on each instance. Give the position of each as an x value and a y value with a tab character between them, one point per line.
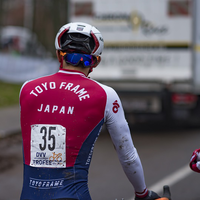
48	146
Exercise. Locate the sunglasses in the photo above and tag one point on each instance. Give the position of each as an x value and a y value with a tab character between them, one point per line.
76	58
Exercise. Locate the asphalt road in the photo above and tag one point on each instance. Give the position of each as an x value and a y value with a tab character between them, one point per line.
165	154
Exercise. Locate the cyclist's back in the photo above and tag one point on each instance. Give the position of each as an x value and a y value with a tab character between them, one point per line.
61	117
67	112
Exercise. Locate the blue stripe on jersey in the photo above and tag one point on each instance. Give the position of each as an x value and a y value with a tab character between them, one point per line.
85	154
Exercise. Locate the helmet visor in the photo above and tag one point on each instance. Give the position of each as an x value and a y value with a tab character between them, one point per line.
76	58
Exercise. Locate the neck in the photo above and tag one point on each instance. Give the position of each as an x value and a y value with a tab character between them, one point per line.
80	69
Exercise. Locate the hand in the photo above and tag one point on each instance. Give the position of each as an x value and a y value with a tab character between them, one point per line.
150	196
195	161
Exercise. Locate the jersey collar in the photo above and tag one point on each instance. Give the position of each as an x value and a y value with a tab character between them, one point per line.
69	71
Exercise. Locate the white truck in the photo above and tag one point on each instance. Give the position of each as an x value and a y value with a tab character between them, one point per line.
151	55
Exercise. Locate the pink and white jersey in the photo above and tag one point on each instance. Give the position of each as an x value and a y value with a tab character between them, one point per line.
61	118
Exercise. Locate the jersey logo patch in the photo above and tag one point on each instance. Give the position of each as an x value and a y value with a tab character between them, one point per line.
115	106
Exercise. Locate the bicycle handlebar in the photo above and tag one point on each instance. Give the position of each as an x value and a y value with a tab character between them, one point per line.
166	193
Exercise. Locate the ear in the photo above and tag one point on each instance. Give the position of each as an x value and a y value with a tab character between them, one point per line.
59	57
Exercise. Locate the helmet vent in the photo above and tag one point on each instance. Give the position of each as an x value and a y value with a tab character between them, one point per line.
77	42
78	37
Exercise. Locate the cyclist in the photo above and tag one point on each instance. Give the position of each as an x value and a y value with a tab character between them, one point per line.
61	118
195	161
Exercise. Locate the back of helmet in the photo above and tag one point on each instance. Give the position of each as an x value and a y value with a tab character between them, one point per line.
80	38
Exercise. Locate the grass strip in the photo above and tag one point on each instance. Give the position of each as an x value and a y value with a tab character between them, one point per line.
9	94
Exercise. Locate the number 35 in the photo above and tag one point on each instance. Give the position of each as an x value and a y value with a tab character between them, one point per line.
47	136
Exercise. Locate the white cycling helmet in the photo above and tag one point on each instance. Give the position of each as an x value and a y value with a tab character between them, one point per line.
79	37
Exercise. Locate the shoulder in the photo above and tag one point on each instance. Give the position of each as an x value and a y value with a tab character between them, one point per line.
36	80
32	82
109	90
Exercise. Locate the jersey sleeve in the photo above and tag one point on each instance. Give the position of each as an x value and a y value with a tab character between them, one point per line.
120	134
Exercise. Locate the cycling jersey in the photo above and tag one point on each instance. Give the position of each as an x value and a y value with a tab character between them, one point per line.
61	118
